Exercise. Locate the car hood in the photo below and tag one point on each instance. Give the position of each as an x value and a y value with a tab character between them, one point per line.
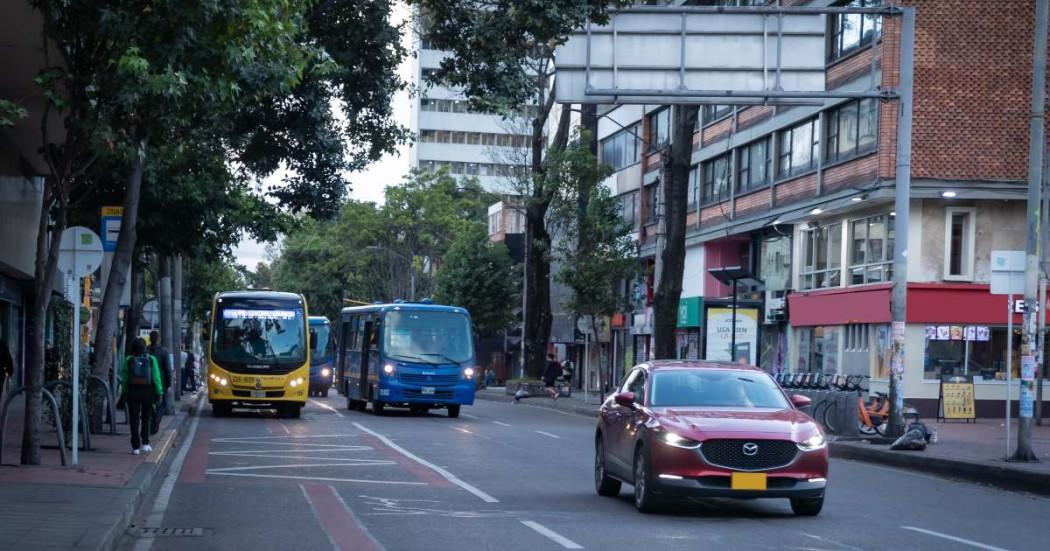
705	423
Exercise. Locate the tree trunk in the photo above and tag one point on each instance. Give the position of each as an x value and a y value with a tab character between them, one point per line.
675	183
137	295
118	274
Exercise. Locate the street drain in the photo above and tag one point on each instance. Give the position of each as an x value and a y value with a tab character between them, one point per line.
170	532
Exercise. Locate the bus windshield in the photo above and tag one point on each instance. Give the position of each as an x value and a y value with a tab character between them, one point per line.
258	337
433	337
322	335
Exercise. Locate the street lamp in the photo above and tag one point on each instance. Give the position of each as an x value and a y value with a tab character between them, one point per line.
411	268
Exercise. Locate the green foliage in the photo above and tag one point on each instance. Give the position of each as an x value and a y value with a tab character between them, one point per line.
478	275
11	112
203	277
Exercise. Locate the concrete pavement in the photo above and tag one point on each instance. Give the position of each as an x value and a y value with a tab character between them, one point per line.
519	477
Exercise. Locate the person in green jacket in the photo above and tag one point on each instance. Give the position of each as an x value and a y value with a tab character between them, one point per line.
141	381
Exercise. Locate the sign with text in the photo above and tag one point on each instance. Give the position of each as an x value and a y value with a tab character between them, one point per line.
957	401
720	334
111	217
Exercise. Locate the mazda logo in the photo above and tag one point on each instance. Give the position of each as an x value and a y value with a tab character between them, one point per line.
750	449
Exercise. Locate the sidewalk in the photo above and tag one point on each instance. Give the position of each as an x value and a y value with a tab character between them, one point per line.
971	451
88	506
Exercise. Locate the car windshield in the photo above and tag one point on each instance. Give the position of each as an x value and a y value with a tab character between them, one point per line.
428	336
259	336
321	333
715	388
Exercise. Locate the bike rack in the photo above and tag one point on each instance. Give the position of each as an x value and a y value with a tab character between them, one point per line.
85	423
110	402
54	408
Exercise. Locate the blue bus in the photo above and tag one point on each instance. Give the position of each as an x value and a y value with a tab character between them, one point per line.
414	355
322	360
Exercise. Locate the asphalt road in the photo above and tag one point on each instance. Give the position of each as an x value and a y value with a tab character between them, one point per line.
508	477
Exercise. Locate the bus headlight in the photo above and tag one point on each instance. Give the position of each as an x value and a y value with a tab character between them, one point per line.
223	382
326	372
468	373
388	369
295	382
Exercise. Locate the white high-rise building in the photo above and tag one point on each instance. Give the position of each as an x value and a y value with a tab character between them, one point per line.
471	144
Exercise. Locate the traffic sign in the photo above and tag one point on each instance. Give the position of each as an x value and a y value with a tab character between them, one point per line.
111	220
79	252
1007	272
151	311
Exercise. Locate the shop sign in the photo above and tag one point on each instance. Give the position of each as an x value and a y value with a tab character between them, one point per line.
720	334
957	401
689	312
973	333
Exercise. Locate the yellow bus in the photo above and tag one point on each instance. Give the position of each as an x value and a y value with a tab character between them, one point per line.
259	356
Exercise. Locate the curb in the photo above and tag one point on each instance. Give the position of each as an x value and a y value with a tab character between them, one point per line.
145	479
1000	476
585	411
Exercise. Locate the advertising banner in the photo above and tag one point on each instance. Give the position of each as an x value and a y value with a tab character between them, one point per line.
719	334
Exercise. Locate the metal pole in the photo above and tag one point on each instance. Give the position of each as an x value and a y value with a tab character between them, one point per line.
732	330
1044	243
1009	364
176	324
524	303
1036	147
412	284
586	368
73	286
902	197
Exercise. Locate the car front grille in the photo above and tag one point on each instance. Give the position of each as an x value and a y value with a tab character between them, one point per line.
731	454
417	393
428	380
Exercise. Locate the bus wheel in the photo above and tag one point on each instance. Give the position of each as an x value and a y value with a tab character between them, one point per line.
219	409
377	407
322	393
294	412
453	411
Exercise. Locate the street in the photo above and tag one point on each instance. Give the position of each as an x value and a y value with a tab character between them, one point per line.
507	476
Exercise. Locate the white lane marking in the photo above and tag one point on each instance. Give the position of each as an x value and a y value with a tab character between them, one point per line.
317	515
160	504
444	473
554	536
461	429
569	413
547	434
324	479
345	463
500	423
328	407
266	452
291	437
953	538
468	416
286	431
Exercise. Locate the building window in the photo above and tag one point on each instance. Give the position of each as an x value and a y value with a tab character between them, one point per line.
799	149
714	179
712	113
694	189
970	351
959	243
753	165
871	249
852	129
621	149
652	193
495	220
629	208
821	257
851	32
659	129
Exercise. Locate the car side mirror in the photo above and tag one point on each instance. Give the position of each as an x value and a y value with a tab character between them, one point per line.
625	399
800	401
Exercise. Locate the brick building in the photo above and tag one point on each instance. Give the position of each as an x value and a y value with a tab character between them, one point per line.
802	198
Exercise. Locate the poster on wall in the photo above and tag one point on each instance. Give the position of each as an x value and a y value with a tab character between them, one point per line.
720	337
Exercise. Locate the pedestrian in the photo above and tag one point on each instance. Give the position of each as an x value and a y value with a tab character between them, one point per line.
141	380
161	355
7	366
189	383
550	376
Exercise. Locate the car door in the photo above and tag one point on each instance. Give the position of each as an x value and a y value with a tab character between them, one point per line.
620	420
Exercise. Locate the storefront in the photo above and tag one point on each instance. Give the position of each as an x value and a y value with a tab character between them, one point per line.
687	335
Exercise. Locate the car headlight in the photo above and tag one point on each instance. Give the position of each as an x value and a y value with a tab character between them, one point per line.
679	441
814	442
468	373
326	372
388	369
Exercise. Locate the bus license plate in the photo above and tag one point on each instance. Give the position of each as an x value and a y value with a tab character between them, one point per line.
258	394
428	390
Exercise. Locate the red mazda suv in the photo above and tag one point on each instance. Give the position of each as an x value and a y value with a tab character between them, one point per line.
708	429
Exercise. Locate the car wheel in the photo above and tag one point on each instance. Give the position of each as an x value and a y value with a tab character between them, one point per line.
644	499
453	411
604	484
807	507
378	407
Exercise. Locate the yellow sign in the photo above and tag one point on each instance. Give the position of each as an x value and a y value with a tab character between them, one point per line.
957	401
112	211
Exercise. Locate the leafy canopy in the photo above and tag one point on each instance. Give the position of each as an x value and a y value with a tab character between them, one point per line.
478	275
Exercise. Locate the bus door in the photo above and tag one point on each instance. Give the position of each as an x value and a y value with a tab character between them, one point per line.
366	356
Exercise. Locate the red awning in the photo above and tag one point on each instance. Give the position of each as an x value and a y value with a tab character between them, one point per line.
866	304
960	303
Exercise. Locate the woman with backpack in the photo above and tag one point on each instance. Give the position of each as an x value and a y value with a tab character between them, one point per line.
141	380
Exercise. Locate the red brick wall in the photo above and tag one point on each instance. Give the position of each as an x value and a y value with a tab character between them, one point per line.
793	190
650	162
715	214
753	202
692	218
851	174
751	116
849	68
716	131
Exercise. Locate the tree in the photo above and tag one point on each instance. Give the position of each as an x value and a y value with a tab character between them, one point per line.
204	278
502	58
261	277
478	275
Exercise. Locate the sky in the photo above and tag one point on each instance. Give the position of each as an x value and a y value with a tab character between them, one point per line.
366	185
